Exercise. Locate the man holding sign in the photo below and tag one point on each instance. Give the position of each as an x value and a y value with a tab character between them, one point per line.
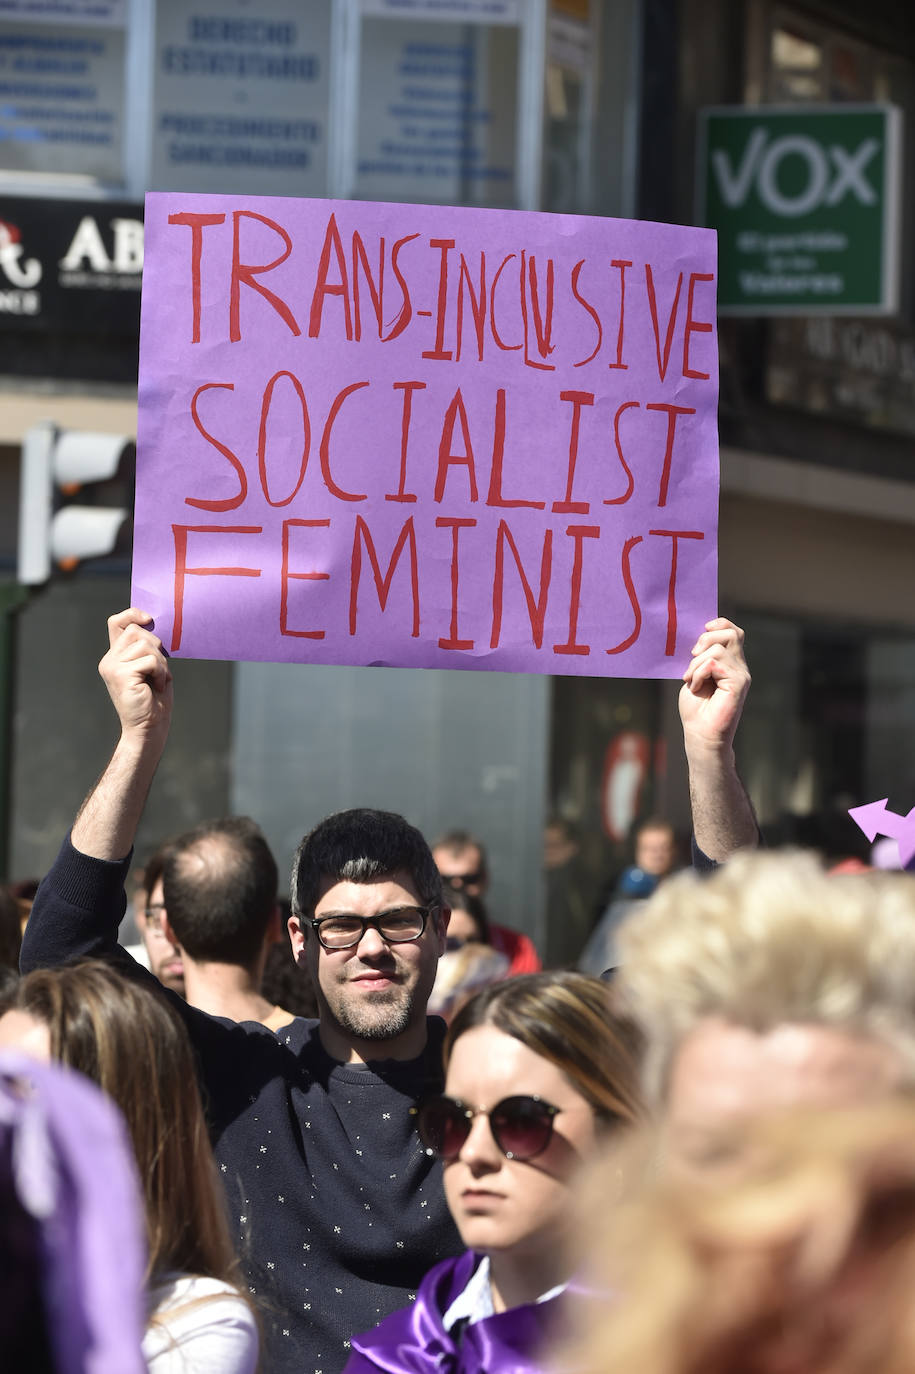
337	1211
336	1208
395	435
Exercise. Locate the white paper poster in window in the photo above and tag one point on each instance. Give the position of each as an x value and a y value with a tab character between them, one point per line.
241	97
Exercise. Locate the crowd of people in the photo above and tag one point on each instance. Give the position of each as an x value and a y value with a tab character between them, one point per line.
384	1138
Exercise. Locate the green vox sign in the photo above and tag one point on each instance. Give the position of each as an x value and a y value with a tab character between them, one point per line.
806	204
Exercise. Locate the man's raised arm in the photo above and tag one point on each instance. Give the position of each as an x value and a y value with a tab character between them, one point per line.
139	681
80	902
711	703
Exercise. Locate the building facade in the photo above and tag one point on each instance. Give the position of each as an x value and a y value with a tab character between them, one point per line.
575	106
817	409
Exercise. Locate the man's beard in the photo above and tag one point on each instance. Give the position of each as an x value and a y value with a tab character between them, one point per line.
384	1018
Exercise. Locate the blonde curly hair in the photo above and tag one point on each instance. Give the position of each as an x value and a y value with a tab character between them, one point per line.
769	939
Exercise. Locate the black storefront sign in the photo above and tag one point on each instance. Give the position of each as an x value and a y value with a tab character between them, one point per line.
70	275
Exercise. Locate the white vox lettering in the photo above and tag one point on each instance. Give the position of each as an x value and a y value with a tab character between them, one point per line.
762	164
735	188
817	176
850	167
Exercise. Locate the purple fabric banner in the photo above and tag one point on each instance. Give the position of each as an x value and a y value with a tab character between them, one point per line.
426	436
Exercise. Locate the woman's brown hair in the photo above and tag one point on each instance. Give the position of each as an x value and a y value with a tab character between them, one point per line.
567	1018
127	1039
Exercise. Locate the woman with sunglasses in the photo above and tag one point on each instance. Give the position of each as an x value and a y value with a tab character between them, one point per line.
538	1072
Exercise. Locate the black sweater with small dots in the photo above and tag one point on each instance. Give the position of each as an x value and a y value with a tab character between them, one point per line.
336	1209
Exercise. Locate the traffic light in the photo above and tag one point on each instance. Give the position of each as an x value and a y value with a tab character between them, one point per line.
74	498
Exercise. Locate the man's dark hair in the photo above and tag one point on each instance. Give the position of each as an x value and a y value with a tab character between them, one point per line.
456	841
219	884
362	846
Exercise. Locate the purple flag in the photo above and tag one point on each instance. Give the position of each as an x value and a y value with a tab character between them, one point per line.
426	436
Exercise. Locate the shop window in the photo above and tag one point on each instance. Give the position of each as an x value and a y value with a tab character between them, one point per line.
847	368
796	66
570	91
815	65
811	62
437	112
240	97
62	95
830	724
607	771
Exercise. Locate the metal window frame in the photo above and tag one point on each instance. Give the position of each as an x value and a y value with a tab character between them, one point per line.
139	36
346	36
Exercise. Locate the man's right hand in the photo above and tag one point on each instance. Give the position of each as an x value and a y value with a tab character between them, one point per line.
135	670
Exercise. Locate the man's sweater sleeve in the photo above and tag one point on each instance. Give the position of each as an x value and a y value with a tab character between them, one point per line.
76	912
701	862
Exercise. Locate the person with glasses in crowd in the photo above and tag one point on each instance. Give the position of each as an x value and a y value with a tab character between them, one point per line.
538	1076
335	1208
462	861
469	963
157	950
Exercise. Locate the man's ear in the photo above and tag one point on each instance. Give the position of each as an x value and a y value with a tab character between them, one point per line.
298	936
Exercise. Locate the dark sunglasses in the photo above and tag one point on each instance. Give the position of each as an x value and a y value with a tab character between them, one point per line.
522	1126
461	880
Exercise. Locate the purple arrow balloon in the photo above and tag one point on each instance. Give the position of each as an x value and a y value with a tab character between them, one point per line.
875	819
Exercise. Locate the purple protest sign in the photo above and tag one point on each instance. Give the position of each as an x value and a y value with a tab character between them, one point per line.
426	436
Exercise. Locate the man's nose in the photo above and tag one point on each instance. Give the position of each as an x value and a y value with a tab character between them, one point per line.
371	944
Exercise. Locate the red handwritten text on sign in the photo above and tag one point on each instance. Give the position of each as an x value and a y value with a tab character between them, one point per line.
425	436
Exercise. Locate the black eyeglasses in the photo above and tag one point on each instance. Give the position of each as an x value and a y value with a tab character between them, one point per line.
396	927
153	913
522	1126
